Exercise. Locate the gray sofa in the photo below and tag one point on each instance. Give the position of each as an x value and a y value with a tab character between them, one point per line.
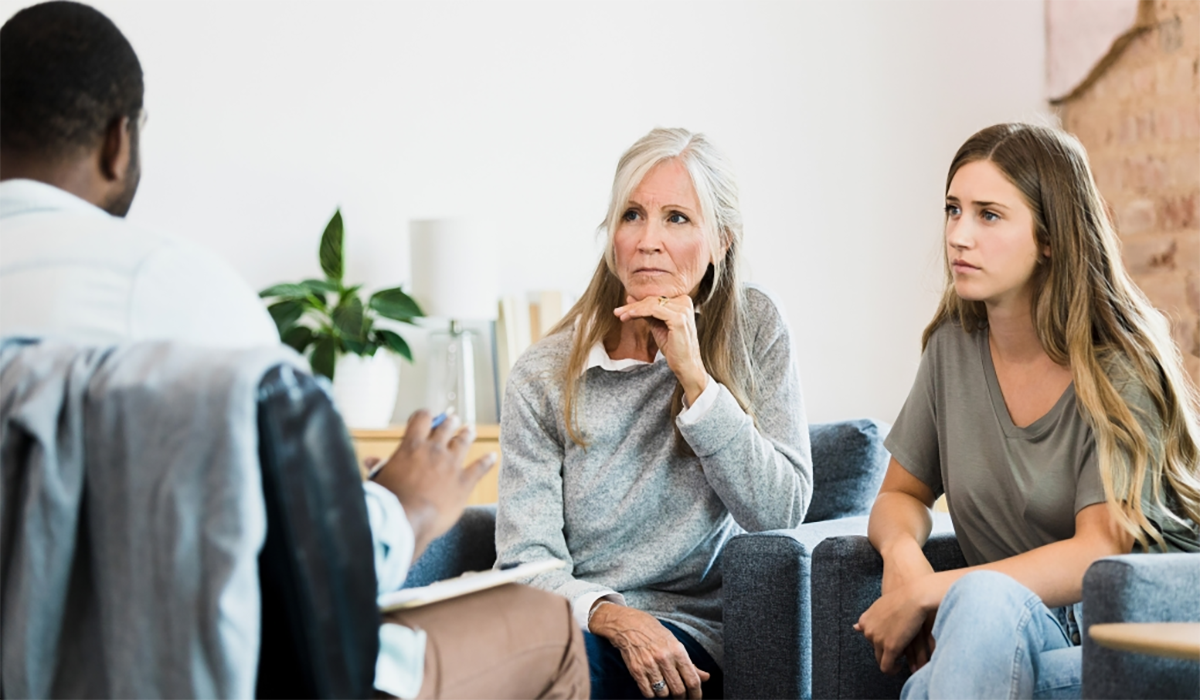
767	650
846	575
1140	588
769	611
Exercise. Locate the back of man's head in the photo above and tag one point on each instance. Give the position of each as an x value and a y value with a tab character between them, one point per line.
66	73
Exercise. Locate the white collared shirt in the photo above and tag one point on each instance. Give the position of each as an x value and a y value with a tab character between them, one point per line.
400	666
70	270
598	357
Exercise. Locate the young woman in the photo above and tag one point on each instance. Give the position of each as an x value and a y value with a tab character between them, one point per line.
1052	410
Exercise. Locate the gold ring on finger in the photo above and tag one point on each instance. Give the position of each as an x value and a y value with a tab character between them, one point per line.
662	301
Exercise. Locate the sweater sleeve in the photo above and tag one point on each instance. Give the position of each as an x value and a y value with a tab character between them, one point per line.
529	515
762	473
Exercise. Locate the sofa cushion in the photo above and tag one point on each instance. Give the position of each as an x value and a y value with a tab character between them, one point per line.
848	466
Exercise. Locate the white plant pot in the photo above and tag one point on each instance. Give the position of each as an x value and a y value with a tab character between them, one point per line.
364	389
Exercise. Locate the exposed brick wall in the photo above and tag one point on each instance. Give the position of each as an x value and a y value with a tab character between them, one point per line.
1078	34
1139	117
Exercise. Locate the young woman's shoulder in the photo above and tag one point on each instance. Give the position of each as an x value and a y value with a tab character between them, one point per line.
950	339
1129	384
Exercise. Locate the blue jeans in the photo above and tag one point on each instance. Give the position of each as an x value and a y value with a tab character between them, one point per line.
994	638
610	675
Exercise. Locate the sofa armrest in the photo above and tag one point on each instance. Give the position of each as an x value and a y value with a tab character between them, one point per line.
1140	588
847	576
767	608
468	546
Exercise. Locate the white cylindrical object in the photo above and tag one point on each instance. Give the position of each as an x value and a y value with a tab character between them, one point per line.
454	269
364	389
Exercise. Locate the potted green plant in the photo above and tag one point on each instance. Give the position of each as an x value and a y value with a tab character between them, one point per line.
329	323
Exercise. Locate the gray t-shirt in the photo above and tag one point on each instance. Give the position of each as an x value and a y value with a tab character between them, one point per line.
1009	489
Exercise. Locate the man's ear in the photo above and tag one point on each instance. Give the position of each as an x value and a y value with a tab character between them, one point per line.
117	150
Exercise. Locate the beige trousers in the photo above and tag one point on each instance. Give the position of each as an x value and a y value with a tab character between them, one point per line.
506	642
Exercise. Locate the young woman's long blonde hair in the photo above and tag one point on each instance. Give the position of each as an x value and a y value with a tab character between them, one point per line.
1090	315
720	326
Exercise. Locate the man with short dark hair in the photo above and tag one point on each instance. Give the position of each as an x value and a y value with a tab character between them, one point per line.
72	98
71	267
70	119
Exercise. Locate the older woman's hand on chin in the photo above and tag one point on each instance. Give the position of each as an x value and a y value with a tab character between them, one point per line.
650	651
672	322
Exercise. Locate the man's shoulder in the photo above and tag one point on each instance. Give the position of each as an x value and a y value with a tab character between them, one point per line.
81	238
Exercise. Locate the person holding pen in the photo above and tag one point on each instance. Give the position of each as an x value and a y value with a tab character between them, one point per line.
507	642
71	94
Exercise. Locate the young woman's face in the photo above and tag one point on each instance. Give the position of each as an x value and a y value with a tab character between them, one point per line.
989	236
660	246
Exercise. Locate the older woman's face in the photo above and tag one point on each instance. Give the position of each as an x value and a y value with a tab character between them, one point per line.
660	246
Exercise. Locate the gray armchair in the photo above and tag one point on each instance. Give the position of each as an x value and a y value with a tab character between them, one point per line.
846	576
1140	588
469	546
768	611
766	574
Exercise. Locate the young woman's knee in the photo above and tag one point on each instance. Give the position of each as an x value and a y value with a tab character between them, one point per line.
981	593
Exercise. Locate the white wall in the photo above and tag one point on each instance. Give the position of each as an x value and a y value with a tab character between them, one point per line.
840	116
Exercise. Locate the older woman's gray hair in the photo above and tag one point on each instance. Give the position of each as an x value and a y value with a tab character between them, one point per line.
720	326
712	177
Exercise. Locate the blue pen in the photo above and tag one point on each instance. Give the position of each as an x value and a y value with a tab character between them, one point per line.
437	420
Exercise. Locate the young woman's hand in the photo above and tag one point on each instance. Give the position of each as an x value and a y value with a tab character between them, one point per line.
651	653
673	325
893	622
899	570
903	567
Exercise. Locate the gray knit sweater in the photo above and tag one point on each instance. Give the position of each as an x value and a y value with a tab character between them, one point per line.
630	514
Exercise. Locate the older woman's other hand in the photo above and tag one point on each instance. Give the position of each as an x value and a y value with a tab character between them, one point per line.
673	324
651	652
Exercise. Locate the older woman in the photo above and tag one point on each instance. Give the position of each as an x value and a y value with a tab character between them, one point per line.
659	419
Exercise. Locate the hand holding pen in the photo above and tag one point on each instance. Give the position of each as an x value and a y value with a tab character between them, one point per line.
427	475
375	464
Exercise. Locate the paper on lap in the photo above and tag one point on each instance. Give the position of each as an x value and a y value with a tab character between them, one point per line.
469	582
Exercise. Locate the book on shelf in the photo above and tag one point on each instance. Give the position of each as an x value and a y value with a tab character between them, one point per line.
523	320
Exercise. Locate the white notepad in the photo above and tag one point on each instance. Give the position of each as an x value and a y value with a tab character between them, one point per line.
467	583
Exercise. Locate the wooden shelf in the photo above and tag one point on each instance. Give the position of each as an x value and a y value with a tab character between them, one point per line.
382	443
396	432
